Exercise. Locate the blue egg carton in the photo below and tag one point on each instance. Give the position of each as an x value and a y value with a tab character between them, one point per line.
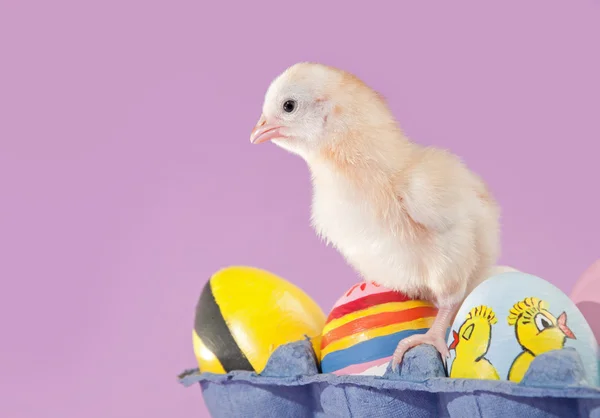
291	386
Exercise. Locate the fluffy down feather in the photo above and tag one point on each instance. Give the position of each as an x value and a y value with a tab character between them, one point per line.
411	218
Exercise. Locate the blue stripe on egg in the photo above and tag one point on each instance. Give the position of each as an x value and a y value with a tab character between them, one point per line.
374	349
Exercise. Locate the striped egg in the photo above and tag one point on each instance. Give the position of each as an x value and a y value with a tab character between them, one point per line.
364	327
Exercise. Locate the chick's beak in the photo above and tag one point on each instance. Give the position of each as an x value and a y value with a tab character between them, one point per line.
562	324
455	341
264	131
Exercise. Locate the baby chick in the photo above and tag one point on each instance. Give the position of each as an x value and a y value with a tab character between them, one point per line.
411	218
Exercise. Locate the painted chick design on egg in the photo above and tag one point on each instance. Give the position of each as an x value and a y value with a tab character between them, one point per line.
537	331
471	344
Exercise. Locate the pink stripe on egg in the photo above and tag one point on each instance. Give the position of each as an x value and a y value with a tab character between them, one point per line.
359	368
360	290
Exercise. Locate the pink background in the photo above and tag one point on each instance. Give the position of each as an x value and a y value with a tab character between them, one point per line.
127	176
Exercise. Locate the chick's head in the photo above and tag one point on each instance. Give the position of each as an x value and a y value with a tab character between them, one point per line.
538	330
309	107
474	335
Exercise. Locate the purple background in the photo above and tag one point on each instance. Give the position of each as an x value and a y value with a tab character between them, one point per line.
127	176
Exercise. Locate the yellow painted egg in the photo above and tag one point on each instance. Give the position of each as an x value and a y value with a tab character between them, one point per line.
364	327
509	320
245	313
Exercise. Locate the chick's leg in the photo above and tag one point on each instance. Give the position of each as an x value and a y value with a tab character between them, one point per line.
435	336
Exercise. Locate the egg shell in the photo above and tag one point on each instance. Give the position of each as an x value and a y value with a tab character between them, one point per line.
586	295
495	298
365	326
244	314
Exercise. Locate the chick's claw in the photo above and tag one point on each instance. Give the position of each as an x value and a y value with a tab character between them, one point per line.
406	344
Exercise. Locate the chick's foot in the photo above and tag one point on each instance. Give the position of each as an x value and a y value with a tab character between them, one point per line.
435	336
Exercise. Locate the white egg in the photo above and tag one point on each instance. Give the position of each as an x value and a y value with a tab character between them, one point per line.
510	319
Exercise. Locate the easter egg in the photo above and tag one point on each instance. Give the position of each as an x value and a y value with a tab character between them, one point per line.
586	295
510	319
245	313
364	327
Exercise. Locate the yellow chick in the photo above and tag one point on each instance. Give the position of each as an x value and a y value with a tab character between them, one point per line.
471	344
537	331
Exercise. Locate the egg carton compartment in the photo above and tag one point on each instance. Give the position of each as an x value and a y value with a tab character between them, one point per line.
291	386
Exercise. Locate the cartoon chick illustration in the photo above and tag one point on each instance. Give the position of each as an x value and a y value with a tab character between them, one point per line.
537	331
471	344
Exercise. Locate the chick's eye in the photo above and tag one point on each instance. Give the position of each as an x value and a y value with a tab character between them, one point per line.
542	322
289	106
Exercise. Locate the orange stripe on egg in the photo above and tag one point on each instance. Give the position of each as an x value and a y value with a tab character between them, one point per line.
377	320
359	337
384	307
366	302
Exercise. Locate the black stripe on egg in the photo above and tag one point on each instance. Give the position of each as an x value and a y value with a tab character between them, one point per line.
212	329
